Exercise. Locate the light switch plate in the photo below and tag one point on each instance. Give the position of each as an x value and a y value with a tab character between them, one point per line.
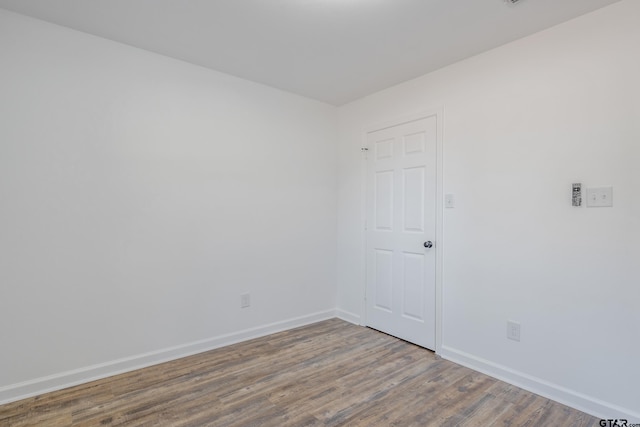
600	197
449	201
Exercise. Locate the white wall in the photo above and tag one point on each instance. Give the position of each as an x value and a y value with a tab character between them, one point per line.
523	122
139	197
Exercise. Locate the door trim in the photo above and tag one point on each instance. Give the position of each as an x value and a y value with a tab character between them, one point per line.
439	114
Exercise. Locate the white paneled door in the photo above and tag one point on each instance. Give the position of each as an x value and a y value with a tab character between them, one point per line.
401	230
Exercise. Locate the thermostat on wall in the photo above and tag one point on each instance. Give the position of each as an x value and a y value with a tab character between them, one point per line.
576	194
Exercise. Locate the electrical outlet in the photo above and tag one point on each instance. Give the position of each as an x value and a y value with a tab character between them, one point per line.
513	330
245	300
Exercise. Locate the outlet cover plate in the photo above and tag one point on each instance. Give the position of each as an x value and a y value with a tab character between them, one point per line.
245	300
513	330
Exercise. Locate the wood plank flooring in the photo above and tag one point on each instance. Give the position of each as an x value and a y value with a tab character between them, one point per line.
330	373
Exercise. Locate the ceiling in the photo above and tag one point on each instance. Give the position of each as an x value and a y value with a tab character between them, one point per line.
334	51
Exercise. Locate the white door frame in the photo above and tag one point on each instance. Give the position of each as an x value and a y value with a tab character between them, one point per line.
439	114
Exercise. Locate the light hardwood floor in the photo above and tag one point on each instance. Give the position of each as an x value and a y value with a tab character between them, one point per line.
330	373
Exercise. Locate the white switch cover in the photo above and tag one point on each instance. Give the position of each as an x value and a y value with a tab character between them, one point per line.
599	197
449	201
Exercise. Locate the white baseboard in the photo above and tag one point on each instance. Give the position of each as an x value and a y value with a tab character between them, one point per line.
579	401
14	392
347	316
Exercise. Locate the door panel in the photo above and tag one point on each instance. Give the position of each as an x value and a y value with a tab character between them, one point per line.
413	200
401	192
384	279
413	286
384	187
